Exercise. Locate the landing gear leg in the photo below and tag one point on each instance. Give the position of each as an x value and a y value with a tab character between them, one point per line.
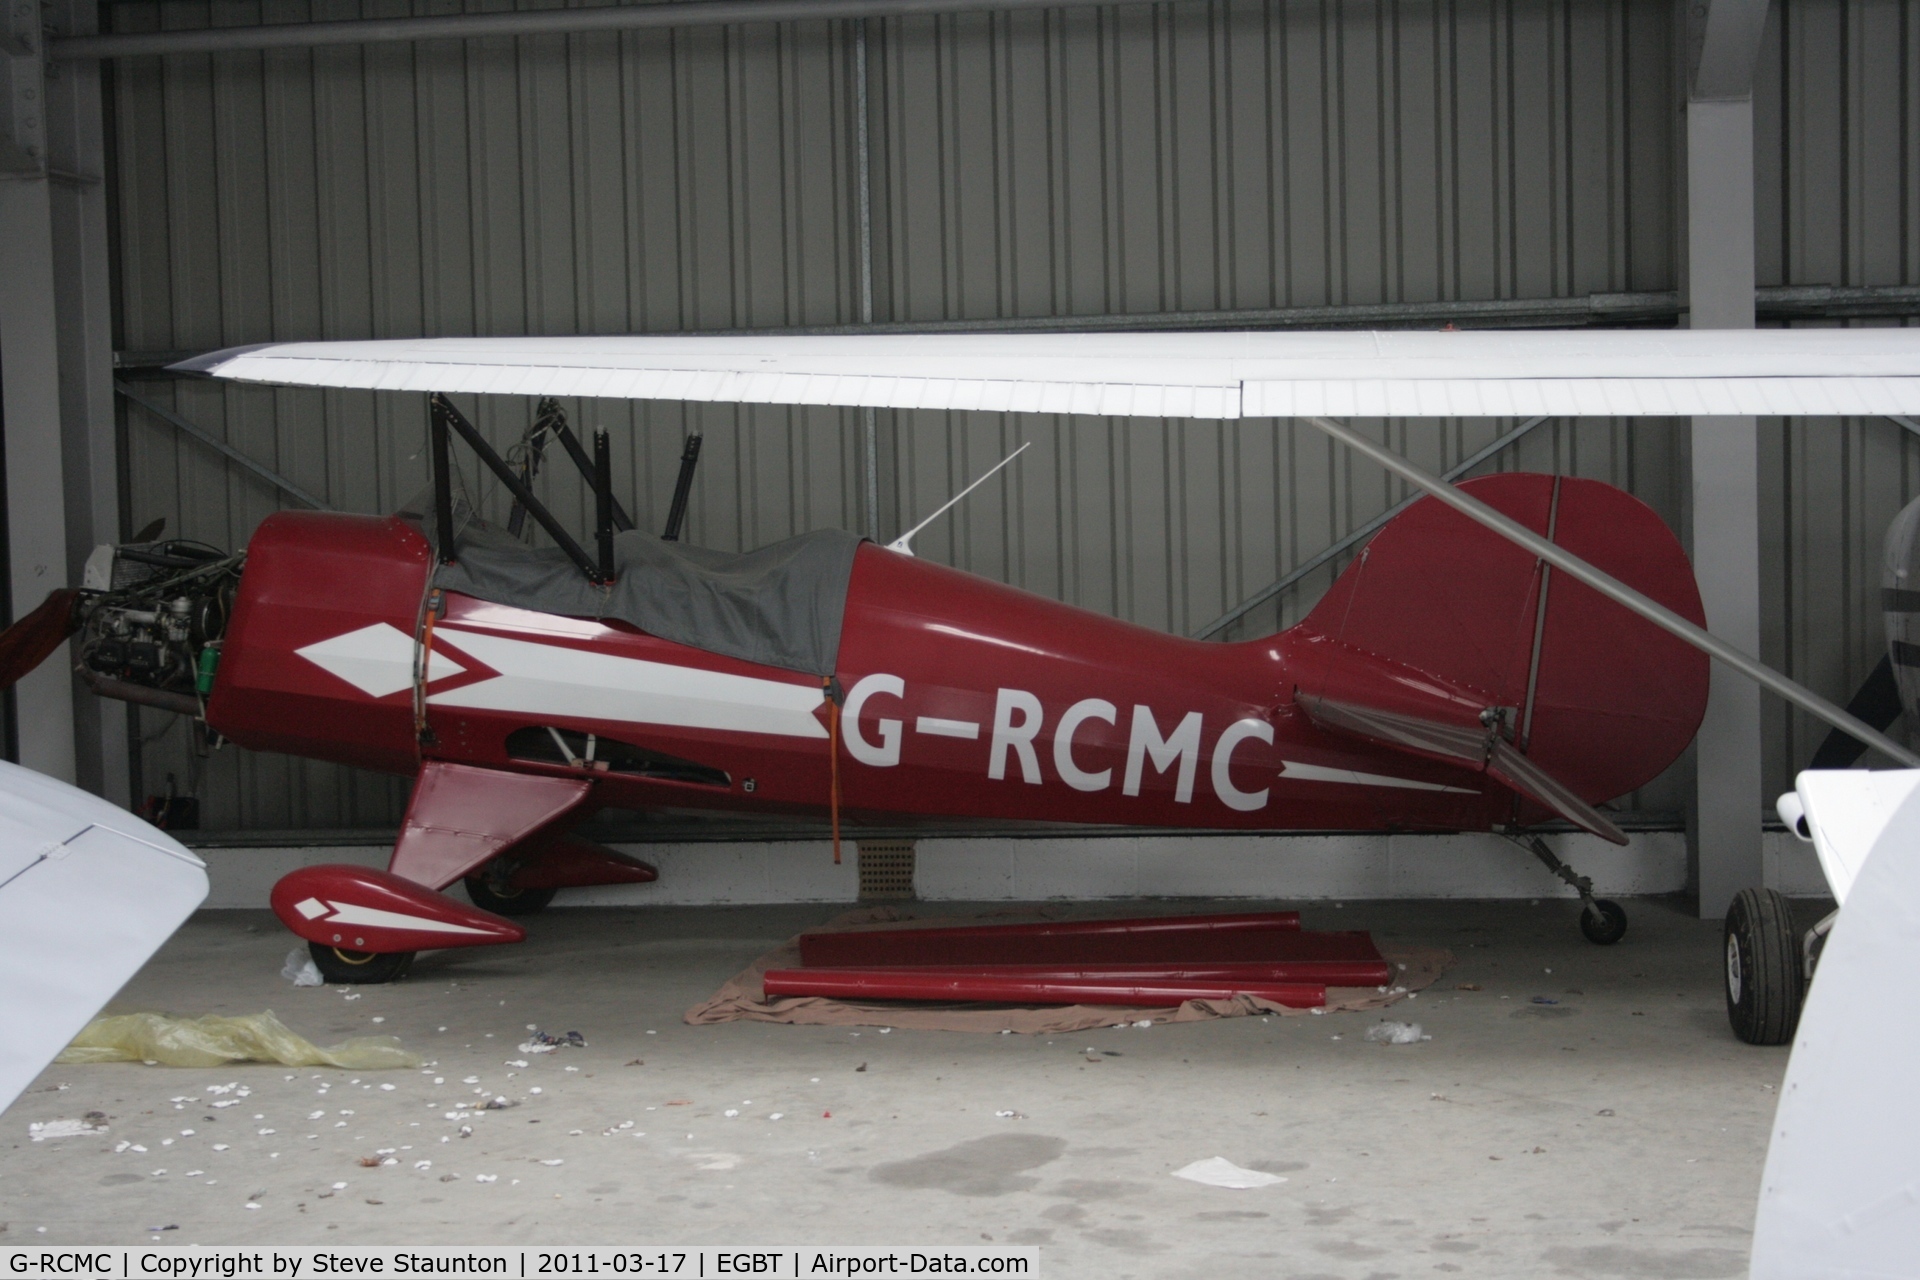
1602	922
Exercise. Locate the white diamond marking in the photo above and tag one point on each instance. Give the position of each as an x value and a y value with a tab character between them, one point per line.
377	660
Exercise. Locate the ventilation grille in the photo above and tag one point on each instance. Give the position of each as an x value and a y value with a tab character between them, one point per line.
886	870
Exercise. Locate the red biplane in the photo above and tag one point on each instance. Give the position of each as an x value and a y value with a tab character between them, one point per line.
1514	651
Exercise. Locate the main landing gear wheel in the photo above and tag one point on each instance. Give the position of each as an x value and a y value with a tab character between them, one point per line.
494	894
1764	981
359	967
1603	922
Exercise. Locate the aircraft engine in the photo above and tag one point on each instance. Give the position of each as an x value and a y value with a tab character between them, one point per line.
153	634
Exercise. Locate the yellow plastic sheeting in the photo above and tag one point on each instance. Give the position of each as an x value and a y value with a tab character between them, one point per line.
207	1042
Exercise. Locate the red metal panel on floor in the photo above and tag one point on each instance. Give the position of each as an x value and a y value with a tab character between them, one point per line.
1326	973
982	987
1243	941
1257	921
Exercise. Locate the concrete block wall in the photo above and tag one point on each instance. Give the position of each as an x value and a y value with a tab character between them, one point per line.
1291	868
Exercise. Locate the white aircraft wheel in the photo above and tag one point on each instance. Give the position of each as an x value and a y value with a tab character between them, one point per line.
359	967
1763	981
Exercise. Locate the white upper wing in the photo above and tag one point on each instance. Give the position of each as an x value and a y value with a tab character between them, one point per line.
1627	373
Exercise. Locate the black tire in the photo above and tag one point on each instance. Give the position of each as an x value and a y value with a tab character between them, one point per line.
507	902
359	968
1763	981
1604	923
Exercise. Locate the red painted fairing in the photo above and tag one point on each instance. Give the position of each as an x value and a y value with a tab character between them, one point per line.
311	577
361	909
461	818
568	862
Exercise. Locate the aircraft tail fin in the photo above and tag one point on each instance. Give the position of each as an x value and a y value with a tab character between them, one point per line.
1444	639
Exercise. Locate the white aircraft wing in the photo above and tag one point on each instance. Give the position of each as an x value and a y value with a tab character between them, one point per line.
1615	373
87	893
1846	811
1840	1196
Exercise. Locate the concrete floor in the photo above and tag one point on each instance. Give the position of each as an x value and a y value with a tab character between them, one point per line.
1619	1132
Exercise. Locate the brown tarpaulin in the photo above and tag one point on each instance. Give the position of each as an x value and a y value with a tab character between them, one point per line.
742	999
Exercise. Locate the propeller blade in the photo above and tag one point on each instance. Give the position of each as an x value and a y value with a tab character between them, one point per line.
31	641
1877	703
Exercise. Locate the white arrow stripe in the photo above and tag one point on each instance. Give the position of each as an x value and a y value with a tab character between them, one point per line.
551	681
1319	773
374	917
935	727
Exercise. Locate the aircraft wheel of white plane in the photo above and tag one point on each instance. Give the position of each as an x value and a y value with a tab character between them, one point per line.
359	967
1764	983
1604	923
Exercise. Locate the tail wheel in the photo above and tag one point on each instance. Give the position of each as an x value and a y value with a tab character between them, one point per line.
1764	983
359	967
1604	923
490	891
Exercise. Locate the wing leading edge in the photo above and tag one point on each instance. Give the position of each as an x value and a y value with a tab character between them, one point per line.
1159	375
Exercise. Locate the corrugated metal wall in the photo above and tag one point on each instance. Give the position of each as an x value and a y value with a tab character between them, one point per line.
1241	153
1837	166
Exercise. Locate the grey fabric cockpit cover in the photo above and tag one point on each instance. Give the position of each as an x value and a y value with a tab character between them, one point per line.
780	605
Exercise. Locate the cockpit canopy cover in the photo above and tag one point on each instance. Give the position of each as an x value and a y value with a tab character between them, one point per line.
780	605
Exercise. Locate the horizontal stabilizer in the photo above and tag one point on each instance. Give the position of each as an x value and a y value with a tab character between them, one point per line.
1480	748
1530	780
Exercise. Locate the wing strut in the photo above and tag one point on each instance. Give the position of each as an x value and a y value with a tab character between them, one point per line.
904	543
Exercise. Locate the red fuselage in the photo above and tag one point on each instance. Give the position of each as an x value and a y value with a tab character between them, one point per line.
964	698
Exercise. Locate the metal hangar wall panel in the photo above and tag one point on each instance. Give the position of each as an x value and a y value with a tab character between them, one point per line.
1243	154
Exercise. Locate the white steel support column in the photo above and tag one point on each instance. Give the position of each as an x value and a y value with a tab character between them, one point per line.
57	387
76	147
36	506
1725	451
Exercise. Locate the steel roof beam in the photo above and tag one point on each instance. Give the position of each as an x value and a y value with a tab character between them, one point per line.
528	22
